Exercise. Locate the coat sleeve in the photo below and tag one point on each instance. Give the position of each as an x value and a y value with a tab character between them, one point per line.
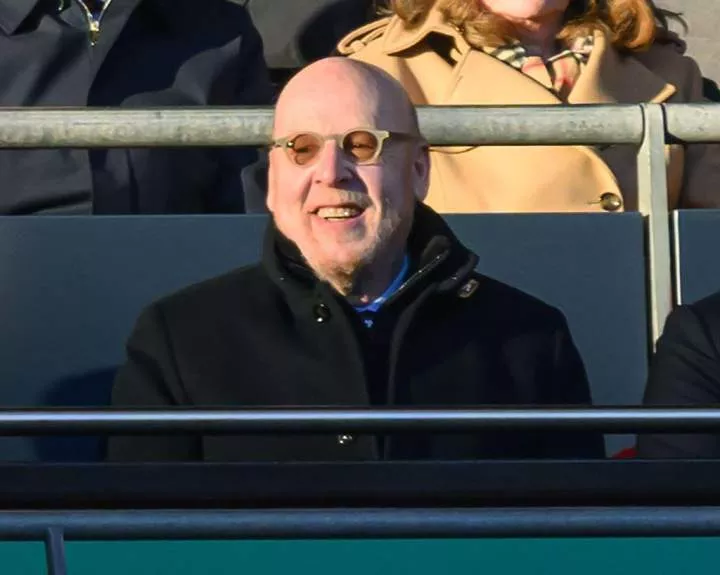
701	172
150	379
569	386
685	371
254	89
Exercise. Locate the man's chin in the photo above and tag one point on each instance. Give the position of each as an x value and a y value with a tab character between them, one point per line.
345	261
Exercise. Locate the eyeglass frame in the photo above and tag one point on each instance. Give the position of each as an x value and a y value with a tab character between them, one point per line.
380	135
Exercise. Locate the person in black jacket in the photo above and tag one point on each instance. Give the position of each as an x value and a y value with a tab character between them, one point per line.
363	298
311	30
128	54
685	372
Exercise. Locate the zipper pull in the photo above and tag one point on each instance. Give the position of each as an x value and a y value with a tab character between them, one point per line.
94	31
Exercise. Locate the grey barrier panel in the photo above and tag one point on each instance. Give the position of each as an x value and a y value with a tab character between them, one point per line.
697	249
73	287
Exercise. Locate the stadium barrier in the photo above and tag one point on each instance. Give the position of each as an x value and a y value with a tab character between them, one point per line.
648	126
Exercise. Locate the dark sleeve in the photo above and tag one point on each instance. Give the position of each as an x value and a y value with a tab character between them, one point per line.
685	371
150	378
253	89
569	387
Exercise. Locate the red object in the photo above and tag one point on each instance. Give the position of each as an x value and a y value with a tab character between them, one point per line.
627	453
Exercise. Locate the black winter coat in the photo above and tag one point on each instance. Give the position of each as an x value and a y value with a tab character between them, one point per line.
272	335
686	372
148	53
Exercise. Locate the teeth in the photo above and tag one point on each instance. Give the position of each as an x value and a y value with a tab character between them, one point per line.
338	212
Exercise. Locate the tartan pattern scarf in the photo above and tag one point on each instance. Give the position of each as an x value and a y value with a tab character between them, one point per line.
557	73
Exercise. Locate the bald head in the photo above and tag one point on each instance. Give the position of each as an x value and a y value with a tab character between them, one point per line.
348	202
323	87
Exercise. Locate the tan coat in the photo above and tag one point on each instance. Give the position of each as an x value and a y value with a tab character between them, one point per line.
539	178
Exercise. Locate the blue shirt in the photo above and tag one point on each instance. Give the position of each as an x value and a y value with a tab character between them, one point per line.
377	303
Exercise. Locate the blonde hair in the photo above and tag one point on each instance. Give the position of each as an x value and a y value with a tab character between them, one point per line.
632	25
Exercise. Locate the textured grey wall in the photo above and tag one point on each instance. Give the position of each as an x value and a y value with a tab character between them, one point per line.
703	18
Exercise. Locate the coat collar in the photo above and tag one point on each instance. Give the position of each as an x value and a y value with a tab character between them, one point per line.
14	12
431	245
608	78
398	37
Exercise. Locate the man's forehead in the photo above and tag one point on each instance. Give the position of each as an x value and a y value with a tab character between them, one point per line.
336	95
327	115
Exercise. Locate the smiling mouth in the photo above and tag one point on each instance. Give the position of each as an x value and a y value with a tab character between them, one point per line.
339	213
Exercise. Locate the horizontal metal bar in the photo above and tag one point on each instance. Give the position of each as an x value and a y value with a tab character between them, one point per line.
693	123
527	125
281	421
365	523
180	127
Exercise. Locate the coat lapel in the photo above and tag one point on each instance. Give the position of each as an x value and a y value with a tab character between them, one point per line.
502	85
478	78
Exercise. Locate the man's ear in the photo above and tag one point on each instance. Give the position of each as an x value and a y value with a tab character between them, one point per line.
271	186
421	173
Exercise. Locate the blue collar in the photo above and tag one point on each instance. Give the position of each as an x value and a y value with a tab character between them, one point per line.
375	305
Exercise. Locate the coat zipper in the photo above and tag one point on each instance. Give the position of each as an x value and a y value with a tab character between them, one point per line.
94	21
421	273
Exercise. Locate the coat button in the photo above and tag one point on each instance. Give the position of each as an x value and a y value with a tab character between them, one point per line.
322	313
345	439
610	202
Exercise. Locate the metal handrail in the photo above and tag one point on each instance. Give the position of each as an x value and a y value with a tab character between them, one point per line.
281	421
649	126
362	523
251	126
441	125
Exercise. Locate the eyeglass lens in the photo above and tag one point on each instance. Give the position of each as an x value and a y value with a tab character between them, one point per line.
360	145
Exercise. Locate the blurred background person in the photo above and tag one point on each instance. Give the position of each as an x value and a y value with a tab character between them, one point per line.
310	30
541	52
686	372
127	54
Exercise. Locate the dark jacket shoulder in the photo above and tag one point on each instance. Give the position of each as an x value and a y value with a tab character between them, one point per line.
510	309
686	371
707	312
239	282
523	302
247	290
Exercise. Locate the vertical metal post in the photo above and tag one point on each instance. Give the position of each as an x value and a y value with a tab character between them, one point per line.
677	267
55	551
653	204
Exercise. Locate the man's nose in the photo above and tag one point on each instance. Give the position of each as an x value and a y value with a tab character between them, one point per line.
332	166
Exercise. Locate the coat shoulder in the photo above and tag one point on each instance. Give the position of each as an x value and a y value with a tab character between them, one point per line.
707	311
204	298
509	302
693	326
668	60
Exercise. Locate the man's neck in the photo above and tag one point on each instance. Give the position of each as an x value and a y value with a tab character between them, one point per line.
373	280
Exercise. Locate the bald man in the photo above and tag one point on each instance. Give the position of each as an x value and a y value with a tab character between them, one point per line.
363	297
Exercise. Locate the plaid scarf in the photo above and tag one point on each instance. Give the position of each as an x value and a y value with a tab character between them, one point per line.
557	73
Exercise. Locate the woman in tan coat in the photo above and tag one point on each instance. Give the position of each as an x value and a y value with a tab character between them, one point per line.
541	52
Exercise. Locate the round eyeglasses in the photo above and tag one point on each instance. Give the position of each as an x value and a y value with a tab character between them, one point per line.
362	145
